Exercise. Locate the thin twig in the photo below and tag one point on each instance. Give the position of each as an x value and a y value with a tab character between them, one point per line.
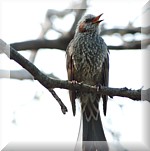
63	107
61	43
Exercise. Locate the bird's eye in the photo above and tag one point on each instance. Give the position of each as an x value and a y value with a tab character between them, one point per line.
88	20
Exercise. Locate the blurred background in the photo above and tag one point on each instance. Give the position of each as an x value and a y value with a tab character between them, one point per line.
28	110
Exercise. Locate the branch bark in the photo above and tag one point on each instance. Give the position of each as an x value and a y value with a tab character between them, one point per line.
62	43
50	83
128	30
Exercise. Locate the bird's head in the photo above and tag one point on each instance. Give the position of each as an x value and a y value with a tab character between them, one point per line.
89	23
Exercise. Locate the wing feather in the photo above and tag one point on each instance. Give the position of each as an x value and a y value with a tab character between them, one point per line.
105	80
70	71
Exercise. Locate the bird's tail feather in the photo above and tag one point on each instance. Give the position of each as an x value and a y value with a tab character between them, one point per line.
93	135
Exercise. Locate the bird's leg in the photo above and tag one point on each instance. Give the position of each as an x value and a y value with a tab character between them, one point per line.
74	82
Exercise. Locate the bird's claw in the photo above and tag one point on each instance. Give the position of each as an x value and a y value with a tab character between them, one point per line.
74	82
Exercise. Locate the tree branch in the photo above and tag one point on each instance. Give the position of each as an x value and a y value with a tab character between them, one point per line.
62	43
50	83
128	30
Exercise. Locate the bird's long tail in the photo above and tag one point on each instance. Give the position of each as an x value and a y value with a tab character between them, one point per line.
93	134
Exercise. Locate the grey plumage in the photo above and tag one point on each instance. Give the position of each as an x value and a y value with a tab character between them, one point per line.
88	62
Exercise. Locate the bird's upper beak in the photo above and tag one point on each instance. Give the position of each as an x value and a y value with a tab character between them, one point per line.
96	19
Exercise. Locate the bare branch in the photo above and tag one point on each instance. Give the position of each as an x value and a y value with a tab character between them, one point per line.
79	14
49	20
63	107
131	45
123	31
80	10
50	83
33	54
62	43
60	14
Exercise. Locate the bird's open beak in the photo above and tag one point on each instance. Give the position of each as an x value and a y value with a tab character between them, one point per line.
96	19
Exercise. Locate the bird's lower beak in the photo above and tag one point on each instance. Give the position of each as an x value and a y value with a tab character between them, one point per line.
96	19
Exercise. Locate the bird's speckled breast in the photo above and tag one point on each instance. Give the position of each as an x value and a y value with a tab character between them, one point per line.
87	66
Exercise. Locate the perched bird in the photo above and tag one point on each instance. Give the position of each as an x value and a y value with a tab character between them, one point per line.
88	62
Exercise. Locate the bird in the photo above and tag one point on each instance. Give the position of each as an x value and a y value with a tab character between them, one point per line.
87	61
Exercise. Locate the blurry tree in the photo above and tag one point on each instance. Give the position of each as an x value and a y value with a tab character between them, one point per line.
64	38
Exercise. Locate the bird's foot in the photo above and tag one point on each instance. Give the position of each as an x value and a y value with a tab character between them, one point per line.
74	82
